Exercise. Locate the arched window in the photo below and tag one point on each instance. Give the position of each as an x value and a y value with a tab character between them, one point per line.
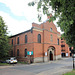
12	53
25	52
25	38
12	41
17	52
51	29
39	38
58	41
18	40
51	38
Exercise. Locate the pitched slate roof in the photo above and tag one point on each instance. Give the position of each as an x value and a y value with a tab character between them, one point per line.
20	33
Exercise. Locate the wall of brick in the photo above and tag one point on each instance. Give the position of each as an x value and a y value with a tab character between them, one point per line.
66	48
38	49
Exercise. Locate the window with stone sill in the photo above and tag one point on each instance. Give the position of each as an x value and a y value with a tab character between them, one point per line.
51	29
39	38
62	50
62	45
17	52
62	41
25	52
58	41
51	38
18	40
25	38
12	41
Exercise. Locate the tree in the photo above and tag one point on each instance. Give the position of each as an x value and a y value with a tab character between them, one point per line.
4	43
65	10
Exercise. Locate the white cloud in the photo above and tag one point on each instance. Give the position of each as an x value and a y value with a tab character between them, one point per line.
16	6
15	26
20	8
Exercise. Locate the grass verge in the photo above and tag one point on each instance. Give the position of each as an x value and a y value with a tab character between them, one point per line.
4	64
70	73
22	63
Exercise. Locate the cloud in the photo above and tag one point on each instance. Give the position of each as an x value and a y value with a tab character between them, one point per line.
15	26
20	8
16	6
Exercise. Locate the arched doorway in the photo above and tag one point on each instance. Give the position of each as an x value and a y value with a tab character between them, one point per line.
51	53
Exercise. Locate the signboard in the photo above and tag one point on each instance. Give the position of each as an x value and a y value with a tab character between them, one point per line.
66	54
45	53
29	52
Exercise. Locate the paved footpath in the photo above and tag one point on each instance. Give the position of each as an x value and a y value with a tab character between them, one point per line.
18	68
3	67
58	71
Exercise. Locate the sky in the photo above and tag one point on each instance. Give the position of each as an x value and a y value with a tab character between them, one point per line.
18	16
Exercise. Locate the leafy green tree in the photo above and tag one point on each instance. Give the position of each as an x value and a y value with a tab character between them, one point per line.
65	10
4	43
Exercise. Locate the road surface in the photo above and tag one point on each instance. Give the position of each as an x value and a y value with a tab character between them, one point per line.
57	67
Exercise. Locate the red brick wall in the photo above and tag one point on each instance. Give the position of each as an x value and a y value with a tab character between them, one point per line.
66	48
33	45
22	45
38	48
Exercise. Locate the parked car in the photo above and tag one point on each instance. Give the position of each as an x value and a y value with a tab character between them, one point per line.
11	60
2	61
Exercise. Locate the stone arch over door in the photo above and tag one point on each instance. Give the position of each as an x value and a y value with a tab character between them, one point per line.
51	56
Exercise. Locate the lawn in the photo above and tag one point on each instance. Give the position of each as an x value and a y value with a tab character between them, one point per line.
22	63
70	73
4	64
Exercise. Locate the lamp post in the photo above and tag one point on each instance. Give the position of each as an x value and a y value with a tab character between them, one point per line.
73	60
73	56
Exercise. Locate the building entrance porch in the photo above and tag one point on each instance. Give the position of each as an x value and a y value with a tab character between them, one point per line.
51	53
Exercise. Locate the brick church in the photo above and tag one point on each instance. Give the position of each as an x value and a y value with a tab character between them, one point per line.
42	42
